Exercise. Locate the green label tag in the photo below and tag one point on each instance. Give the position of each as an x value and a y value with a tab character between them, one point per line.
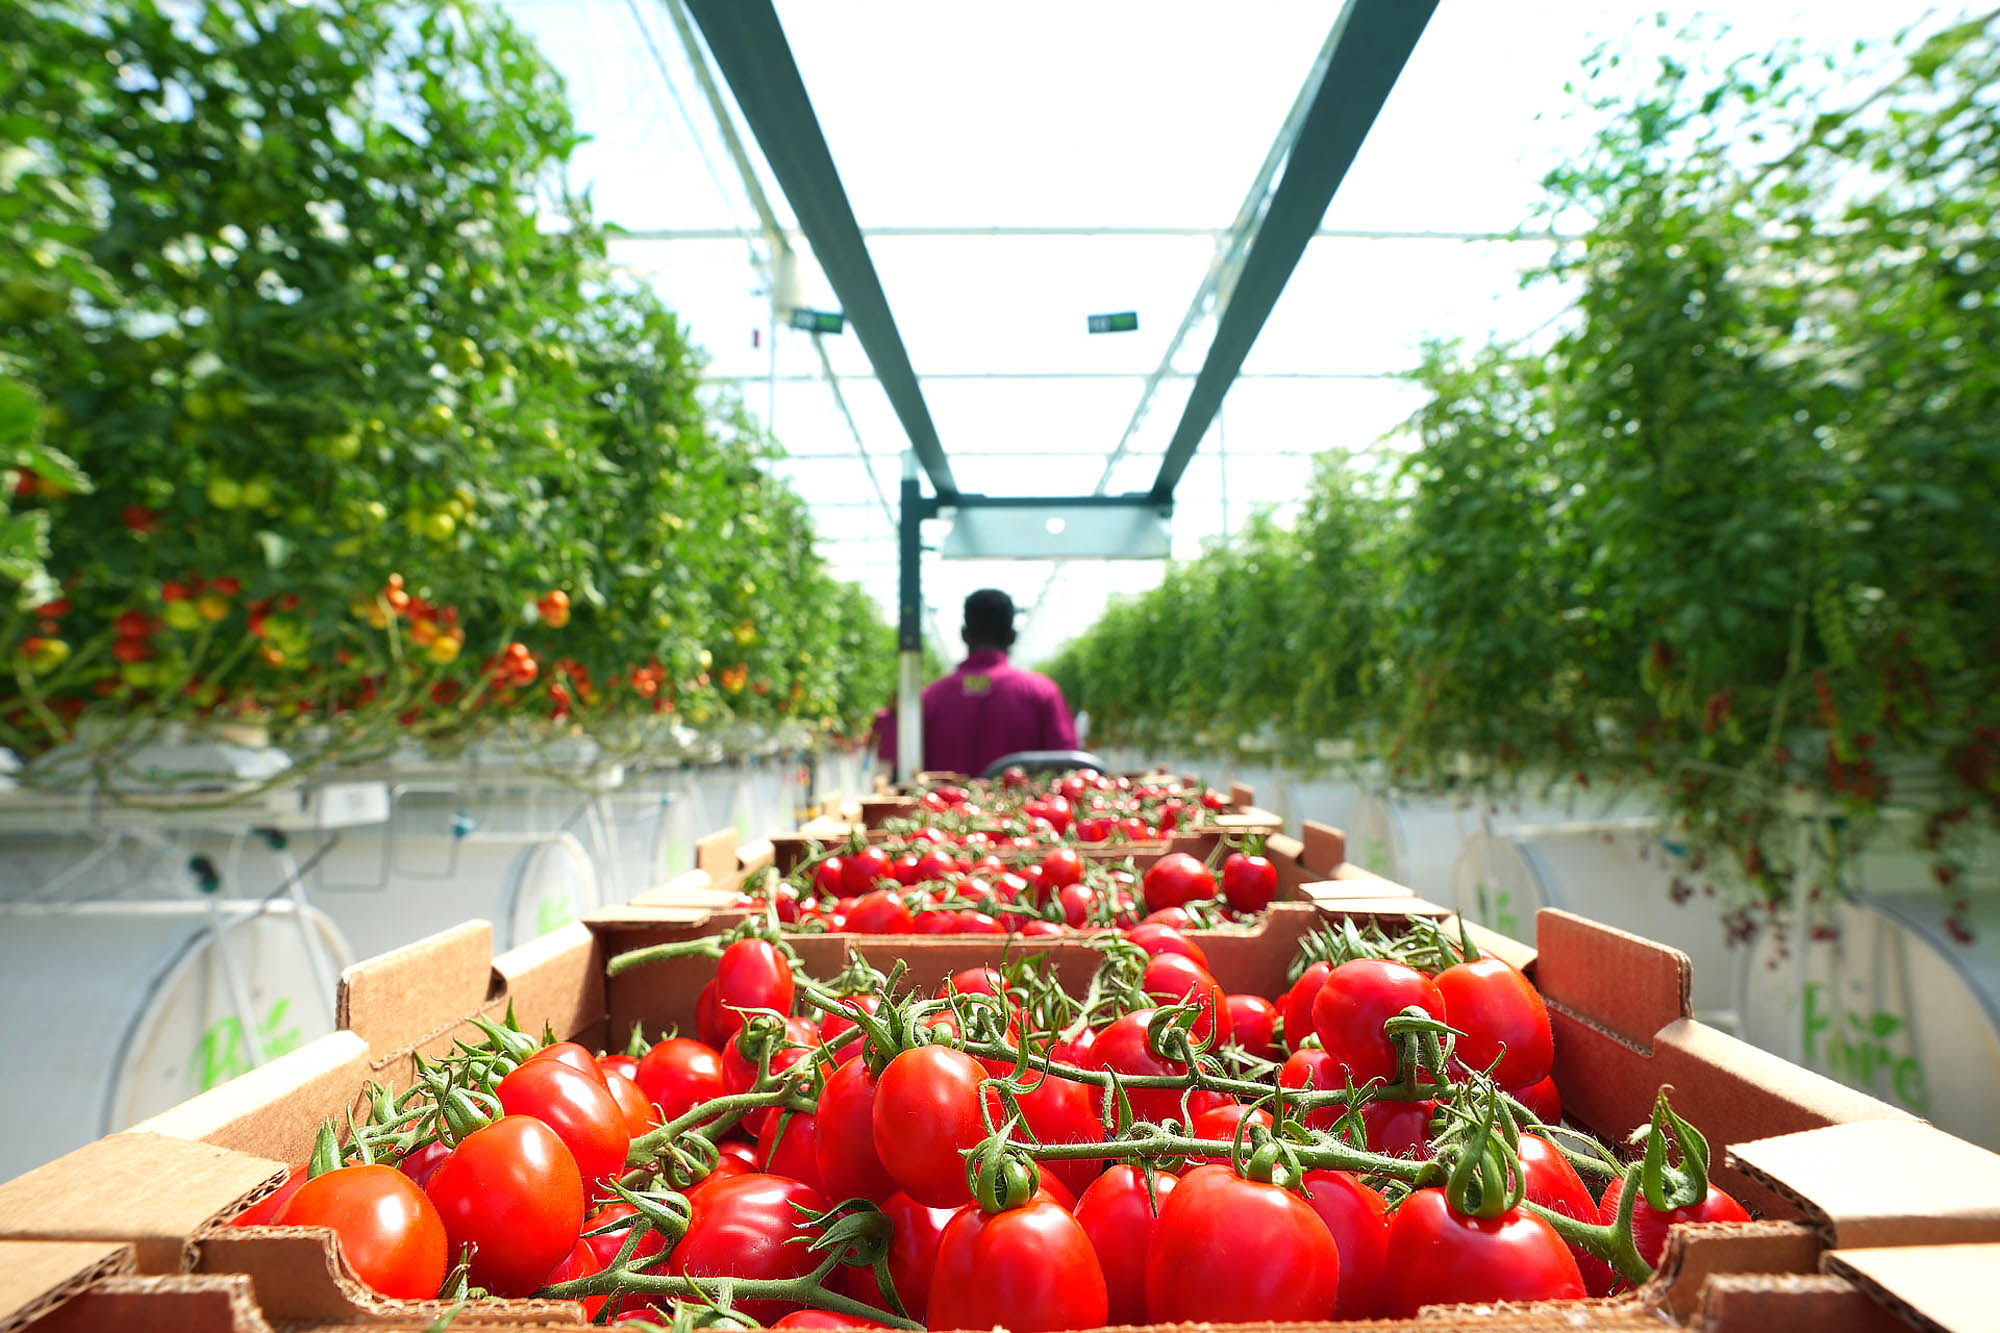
1857	1050
221	1054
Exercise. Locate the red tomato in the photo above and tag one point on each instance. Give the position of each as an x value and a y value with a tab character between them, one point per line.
1503	1019
824	1319
1548	1179
1358	1219
1061	1111
907	870
581	1261
840	1034
1358	997
1313	1069
1220	1122
628	1065
1176	878
260	1213
743	1227
828	876
933	922
1230	1250
1253	1022
1249	883
739	1072
1543	1099
419	1164
1177	979
934	867
979	923
1030	1269
390	1234
1157	937
580	1111
632	1103
845	1136
1119	1218
881	912
981	980
1399	1129
788	1145
708	1018
926	1113
1038	927
913	1244
605	1248
678	1075
751	974
513	1190
1123	1047
1649	1228
1295	1007
864	870
1077	901
576	1056
1438	1257
1060	869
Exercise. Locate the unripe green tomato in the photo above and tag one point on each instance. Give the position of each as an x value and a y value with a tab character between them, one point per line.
182	615
224	493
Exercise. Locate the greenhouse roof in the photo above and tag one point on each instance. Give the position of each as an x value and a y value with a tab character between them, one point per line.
1012	178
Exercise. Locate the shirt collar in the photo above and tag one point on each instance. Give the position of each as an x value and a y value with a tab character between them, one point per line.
983	661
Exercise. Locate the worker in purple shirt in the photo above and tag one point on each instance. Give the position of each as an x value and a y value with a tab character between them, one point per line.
989	707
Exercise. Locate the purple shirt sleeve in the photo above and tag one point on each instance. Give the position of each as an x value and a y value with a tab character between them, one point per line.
1062	728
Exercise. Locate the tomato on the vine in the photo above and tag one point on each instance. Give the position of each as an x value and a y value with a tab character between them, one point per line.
1649	1226
751	974
788	1145
744	1227
1295	1006
575	1055
1174	978
632	1103
1357	998
513	1190
1547	1178
1060	1110
1253	1025
1505	1023
1119	1217
679	1074
1358	1219
1230	1250
1123	1047
579	1109
390	1234
926	1113
845	1146
1157	937
1440	1257
879	912
1175	879
863	870
914	1233
1249	883
1030	1269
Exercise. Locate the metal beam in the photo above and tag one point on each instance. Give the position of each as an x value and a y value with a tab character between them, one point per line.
749	44
1030	232
1374	40
1022	375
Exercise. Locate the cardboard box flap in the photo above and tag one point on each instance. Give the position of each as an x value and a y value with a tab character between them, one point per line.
1617	982
405	1000
755	855
686	887
99	1193
275	1109
716	853
556	980
1281	847
1945	1287
298	1274
1323	848
1767	1303
185	1303
1242	794
1697	1252
38	1275
1883	1182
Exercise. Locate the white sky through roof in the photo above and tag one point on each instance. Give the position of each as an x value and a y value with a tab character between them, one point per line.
1113	114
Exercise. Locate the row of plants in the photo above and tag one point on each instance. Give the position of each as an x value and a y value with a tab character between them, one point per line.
1726	532
322	409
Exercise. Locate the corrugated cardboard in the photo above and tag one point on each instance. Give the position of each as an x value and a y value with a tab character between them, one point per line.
1943	1287
1871	1185
184	1303
36	1276
1748	1303
279	1101
149	1191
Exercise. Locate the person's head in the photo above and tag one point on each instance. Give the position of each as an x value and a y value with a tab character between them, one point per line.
989	621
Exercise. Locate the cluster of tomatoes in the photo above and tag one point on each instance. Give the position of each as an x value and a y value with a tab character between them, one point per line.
937	883
1094	807
999	1152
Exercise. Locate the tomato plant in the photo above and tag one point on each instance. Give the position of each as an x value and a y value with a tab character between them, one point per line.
1030	1268
1230	1250
513	1191
390	1234
1438	1256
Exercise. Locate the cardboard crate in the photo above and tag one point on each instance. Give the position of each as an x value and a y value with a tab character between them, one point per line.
1240	815
1619	1005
